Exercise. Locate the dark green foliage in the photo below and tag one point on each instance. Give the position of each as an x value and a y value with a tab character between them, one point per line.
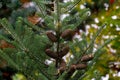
6	7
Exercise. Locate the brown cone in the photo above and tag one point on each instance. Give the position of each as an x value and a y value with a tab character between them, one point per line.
51	36
87	57
67	34
51	54
72	67
78	66
64	51
81	66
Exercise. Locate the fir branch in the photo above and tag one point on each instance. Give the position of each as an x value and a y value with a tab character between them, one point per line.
8	59
90	45
4	24
33	57
26	50
39	29
8	27
40	7
37	59
73	6
92	42
97	54
45	75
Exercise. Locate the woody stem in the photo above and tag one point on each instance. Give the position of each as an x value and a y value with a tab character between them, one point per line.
57	26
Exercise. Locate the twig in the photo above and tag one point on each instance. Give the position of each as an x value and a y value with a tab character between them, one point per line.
5	23
90	45
41	10
57	26
72	6
79	60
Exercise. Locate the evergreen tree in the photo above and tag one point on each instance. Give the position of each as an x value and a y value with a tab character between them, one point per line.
43	31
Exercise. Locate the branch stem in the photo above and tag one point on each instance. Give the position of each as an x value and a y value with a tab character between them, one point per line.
57	27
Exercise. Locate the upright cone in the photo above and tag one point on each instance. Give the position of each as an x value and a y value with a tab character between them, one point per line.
67	34
64	51
51	36
51	54
81	66
86	58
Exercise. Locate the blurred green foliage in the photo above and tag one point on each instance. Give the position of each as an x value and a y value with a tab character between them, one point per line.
105	11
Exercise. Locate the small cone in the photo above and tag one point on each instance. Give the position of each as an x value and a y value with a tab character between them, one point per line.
67	34
78	66
51	36
51	54
81	66
64	51
86	58
72	67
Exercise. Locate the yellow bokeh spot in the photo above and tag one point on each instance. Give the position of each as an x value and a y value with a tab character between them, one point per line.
19	76
77	49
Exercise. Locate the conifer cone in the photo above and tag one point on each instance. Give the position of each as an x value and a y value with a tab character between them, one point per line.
64	51
51	54
86	58
51	36
81	66
72	67
71	70
67	34
78	66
